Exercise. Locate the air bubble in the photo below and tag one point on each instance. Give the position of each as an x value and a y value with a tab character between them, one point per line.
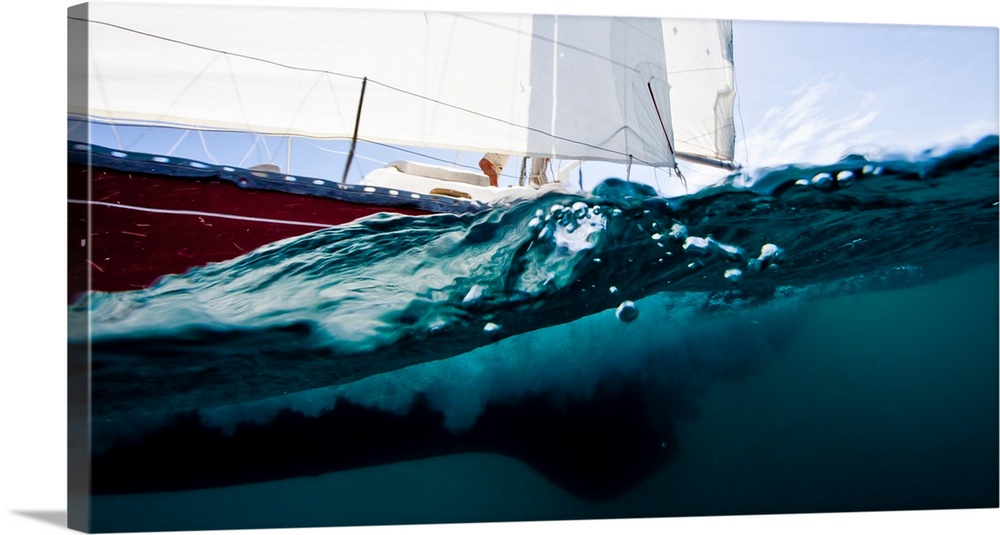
696	245
475	293
627	312
821	180
845	178
770	254
678	232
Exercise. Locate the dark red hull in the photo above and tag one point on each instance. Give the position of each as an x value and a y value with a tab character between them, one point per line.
131	228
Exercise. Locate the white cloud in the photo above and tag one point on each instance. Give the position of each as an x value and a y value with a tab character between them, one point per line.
822	122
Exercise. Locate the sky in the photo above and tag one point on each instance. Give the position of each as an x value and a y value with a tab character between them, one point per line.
811	91
806	93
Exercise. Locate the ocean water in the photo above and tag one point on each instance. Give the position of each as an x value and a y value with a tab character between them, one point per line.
800	339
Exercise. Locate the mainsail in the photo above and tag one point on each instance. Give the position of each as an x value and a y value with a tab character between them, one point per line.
639	90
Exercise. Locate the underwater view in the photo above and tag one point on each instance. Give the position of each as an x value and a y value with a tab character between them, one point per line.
796	339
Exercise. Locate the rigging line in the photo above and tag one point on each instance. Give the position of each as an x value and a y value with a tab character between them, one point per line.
582	50
190	84
204	146
267	150
138	140
656	107
111	122
710	134
239	96
387	86
197	213
217	50
302	102
360	78
555	80
629	22
499	120
435	158
670	145
178	143
429	157
701	69
739	112
415	153
259	140
183	126
250	149
549	40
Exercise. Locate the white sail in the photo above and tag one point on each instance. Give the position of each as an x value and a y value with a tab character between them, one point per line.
602	88
700	59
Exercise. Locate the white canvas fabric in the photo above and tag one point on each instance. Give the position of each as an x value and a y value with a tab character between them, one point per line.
571	87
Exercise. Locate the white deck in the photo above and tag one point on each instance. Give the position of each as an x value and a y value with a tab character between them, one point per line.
434	180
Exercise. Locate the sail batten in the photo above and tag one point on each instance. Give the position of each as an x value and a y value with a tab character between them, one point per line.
558	86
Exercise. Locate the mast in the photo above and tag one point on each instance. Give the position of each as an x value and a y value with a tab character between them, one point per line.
354	138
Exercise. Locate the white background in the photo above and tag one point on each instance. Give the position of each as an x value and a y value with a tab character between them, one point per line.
33	260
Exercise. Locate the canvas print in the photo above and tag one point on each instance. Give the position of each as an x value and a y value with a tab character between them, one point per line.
344	267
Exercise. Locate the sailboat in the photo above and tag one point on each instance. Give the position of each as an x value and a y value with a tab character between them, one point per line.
531	88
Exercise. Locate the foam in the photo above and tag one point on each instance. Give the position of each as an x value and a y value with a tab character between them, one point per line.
673	340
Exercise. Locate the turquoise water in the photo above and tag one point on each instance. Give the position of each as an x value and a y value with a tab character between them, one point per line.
874	401
814	341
